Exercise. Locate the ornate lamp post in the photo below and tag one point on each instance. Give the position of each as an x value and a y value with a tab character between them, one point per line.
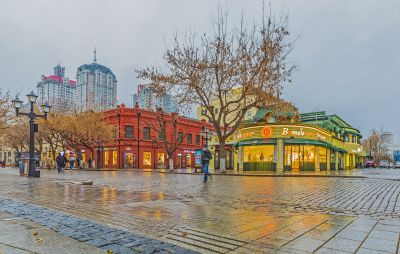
205	134
17	104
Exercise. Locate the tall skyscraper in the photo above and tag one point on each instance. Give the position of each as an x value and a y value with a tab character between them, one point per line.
148	98
96	87
57	90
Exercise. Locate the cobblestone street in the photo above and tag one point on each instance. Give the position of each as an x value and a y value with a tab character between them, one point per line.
229	214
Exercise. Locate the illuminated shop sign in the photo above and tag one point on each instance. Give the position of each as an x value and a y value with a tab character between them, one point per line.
282	131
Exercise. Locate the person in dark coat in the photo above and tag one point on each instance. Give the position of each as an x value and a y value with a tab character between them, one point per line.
206	156
60	160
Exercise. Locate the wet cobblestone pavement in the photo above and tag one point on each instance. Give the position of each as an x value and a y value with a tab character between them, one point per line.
228	214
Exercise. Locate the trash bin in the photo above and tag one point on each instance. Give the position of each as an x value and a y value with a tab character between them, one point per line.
21	166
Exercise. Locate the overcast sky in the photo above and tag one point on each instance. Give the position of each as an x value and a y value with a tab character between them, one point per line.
348	52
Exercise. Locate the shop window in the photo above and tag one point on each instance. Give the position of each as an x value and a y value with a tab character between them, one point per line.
309	154
197	139
189	138
146	133
129	132
115	158
259	153
288	156
128	160
322	155
106	158
160	159
146	159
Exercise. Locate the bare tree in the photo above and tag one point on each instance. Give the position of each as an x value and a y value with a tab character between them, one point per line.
166	127
17	136
5	111
228	72
375	146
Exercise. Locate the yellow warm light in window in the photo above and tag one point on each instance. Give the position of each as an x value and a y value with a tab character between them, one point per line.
259	153
147	158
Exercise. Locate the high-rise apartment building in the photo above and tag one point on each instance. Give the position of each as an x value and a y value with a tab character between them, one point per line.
96	87
148	98
57	90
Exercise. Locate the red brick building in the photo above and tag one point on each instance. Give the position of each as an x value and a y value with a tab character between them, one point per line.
135	135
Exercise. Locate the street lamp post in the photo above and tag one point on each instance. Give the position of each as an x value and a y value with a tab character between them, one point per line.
204	134
17	104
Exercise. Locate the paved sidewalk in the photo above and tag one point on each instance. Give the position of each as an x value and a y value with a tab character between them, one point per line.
22	236
72	227
357	173
225	215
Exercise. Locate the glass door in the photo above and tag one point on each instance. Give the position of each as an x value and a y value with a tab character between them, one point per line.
295	158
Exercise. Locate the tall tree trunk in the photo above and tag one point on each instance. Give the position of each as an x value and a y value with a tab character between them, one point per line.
222	156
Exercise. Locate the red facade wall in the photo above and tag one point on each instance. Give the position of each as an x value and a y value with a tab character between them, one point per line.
122	151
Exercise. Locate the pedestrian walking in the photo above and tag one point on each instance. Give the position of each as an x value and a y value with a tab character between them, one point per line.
206	156
71	161
78	162
60	160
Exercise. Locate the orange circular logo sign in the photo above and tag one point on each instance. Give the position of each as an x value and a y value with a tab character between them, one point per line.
266	132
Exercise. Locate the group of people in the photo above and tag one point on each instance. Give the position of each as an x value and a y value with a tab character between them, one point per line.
62	160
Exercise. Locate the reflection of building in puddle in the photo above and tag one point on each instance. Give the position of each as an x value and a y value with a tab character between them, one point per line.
108	195
159	209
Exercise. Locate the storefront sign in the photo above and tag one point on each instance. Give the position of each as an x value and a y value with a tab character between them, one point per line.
282	131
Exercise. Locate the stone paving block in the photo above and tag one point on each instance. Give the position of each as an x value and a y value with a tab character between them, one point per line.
342	244
321	234
367	221
361	228
9	249
304	244
369	251
385	235
330	251
352	235
380	245
271	242
389	228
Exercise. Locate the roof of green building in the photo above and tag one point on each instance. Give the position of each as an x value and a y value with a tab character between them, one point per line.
329	122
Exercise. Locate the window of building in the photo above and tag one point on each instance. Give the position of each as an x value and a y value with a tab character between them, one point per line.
129	132
160	159
259	153
189	138
216	110
115	158
146	133
197	139
106	158
161	136
146	158
180	137
322	154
